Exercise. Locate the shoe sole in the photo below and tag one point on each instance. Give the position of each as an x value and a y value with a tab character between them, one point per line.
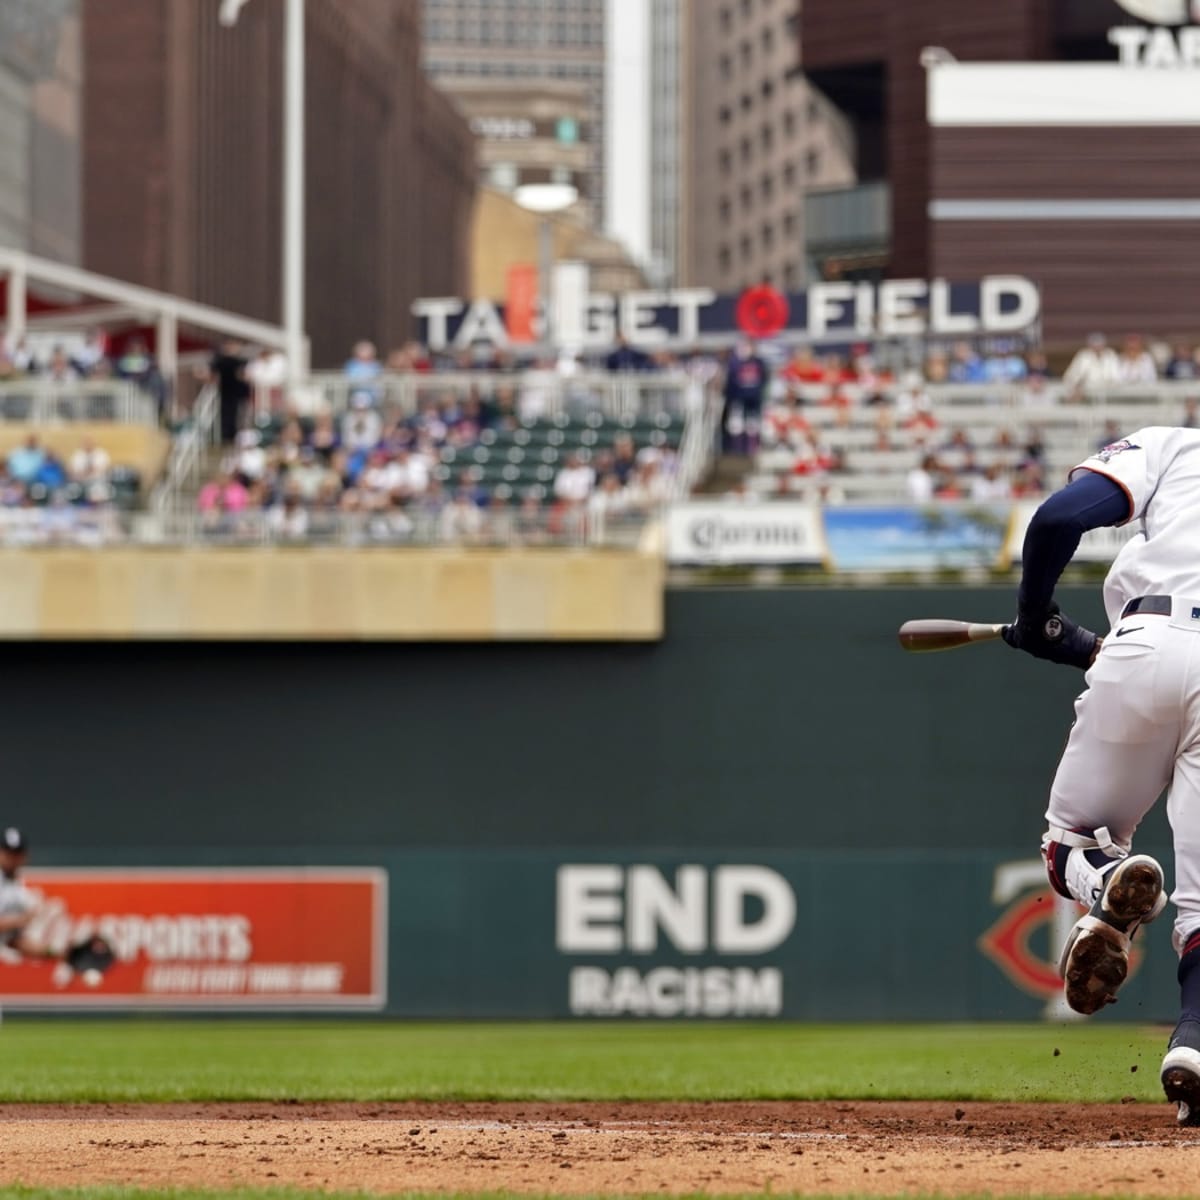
1134	892
1182	1087
1096	961
1096	968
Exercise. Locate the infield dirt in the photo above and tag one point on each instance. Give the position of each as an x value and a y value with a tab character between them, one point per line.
835	1147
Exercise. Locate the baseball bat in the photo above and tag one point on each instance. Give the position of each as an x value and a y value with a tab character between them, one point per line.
920	637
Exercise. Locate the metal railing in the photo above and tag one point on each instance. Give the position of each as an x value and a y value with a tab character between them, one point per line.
461	526
189	452
530	394
38	401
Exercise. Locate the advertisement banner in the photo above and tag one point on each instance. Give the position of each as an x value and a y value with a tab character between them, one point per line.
748	934
1096	546
272	938
935	537
735	533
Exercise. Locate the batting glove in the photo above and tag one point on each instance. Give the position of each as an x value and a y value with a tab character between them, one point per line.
1052	635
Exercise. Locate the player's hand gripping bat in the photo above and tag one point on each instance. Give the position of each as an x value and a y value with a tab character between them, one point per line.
920	637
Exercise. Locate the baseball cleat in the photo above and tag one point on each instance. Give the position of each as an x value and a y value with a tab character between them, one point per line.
1095	959
1181	1071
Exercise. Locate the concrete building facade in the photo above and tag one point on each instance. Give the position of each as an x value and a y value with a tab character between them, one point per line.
759	138
182	162
523	42
39	127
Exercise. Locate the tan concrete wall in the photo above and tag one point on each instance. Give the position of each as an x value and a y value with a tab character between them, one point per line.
332	594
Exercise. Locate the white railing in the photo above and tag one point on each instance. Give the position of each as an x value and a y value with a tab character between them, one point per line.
458	526
189	452
529	394
48	402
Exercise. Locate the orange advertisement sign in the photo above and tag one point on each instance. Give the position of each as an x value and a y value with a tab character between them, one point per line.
262	938
521	303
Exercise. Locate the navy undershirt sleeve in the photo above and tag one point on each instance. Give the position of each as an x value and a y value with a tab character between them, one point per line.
1087	502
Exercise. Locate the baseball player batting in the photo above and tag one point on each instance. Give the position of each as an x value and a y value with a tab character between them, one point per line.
1137	727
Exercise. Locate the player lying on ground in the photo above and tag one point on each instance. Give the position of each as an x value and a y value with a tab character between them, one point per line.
1137	726
90	957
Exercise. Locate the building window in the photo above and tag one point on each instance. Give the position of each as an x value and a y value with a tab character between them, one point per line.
767	187
789	123
768	40
768	237
768	88
767	136
725	162
747	198
747	53
724	259
789	224
789	174
747	102
725	114
791	276
747	149
726	20
726	65
725	210
812	162
747	247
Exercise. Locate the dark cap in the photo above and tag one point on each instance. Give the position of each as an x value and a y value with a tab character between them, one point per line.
13	840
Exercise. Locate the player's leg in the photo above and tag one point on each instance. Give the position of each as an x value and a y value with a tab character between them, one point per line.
1181	1066
1118	759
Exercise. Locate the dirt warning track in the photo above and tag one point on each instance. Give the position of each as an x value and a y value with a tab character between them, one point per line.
834	1147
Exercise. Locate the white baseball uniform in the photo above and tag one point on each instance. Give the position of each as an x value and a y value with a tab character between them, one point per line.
16	900
1137	726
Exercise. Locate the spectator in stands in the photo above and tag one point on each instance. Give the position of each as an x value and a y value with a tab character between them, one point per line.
250	459
324	437
1037	366
574	481
922	480
1007	366
92	353
1136	364
461	520
9	371
649	489
362	369
1182	363
89	467
914	405
227	370
624	459
221	496
361	429
288	519
610	499
1191	413
990	484
803	367
625	357
965	364
1094	367
267	373
59	368
26	461
52	474
746	379
137	364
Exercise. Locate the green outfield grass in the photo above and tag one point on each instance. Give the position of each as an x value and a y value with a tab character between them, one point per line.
162	1060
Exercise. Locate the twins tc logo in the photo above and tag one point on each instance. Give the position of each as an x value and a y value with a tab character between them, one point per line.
1162	12
1025	939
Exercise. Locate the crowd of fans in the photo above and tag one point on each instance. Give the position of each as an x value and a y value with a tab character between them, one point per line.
392	473
94	357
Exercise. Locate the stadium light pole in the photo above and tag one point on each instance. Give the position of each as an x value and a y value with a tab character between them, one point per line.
546	199
292	304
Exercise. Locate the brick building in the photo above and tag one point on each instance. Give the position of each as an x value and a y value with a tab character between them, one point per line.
182	162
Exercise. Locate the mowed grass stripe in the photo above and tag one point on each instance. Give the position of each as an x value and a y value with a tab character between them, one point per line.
174	1060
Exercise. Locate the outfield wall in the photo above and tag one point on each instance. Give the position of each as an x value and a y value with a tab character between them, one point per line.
532	804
